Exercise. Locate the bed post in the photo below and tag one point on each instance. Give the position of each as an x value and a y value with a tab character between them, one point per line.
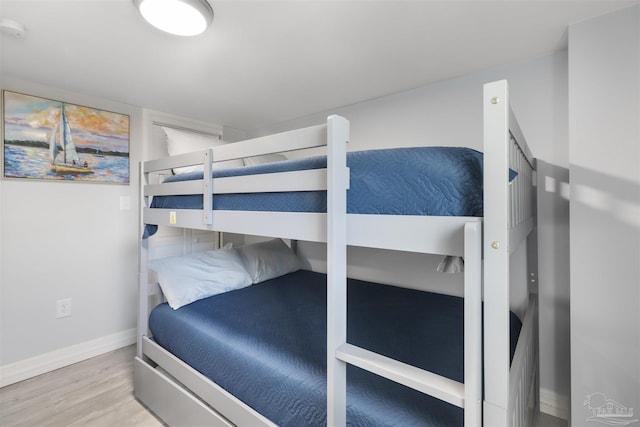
337	186
496	252
143	279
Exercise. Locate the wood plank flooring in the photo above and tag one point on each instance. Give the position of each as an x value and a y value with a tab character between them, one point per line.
95	393
546	420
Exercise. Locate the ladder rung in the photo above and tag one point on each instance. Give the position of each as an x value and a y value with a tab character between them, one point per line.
418	379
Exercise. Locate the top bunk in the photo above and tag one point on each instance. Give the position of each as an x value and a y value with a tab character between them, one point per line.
417	199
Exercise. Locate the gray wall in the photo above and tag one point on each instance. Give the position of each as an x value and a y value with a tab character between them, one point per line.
67	240
450	113
604	99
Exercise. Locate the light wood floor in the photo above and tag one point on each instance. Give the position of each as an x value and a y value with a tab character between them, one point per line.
95	393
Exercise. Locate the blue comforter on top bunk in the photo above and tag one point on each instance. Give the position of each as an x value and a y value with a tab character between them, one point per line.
266	345
439	181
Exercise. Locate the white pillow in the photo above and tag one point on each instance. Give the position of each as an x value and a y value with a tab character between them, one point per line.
266	158
267	260
180	142
185	279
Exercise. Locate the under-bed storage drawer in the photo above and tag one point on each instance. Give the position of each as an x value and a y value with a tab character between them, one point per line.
160	393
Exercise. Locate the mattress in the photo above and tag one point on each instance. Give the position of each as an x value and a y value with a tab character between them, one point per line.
266	344
440	181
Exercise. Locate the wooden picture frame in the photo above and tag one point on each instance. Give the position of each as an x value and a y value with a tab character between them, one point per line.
44	139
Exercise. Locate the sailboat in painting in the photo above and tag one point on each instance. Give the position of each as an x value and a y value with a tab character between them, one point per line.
70	160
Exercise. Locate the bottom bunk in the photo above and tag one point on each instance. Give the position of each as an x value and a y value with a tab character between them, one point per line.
264	346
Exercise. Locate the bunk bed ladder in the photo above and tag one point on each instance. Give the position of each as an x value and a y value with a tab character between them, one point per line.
467	395
339	352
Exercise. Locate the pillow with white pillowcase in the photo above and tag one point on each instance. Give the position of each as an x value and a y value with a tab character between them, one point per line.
181	142
188	278
268	260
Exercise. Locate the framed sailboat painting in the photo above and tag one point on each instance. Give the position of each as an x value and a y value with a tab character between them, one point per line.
54	140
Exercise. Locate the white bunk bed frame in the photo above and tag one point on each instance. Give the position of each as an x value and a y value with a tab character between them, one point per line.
181	396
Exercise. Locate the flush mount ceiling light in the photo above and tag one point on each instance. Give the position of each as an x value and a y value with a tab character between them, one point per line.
12	28
179	17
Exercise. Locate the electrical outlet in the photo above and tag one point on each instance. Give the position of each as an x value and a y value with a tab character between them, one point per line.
63	308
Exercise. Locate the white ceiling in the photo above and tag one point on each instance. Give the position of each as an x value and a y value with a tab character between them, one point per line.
262	62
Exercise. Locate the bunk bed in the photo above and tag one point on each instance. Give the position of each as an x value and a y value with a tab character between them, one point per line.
495	380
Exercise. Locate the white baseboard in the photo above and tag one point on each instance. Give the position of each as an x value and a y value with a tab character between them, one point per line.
37	365
554	404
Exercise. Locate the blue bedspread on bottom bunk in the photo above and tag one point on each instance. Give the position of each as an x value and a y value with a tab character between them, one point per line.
266	344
